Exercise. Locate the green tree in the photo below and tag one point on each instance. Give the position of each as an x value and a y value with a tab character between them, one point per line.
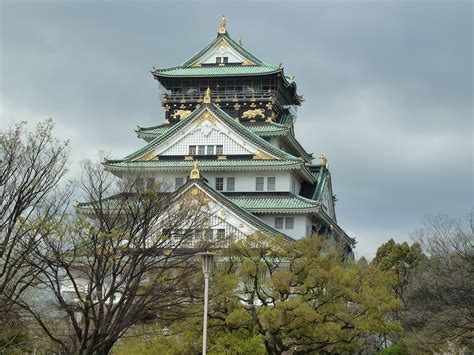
271	297
400	258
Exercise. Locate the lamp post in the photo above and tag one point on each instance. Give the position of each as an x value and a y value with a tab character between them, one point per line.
207	258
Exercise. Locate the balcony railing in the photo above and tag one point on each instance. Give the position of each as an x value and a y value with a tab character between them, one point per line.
227	95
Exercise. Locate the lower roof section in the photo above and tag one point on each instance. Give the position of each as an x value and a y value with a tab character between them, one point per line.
273	202
204	164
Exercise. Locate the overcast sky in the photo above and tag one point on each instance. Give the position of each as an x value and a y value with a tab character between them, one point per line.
388	88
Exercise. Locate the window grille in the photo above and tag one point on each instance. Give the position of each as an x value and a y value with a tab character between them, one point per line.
259	184
178	182
139	184
271	183
219	183
210	150
225	59
289	223
219	149
208	234
221	234
192	150
150	183
279	222
218	60
230	184
201	150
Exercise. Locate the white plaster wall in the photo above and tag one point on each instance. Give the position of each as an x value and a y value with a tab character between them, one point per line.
213	137
300	226
244	181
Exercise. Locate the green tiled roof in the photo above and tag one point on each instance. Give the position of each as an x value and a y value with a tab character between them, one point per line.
116	201
262	129
204	164
256	202
227	120
213	70
224	36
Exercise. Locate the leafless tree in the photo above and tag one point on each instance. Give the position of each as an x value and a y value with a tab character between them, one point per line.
440	302
128	254
32	165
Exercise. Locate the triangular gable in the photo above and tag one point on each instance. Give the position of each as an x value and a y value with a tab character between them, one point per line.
224	46
225	211
209	118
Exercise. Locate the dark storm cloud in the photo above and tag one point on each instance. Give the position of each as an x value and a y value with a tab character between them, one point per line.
388	88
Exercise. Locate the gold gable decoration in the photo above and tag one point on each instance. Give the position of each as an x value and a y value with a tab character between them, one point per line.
206	116
207	96
223	26
195	171
148	156
324	160
261	155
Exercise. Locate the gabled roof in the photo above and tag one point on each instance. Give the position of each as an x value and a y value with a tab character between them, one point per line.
115	201
227	120
247	216
262	129
236	46
252	66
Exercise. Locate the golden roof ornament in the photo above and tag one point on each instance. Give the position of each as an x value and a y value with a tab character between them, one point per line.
324	160
195	171
207	96
223	26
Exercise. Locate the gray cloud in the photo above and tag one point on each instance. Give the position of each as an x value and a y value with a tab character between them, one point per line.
388	88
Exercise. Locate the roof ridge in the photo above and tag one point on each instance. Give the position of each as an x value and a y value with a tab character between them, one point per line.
226	37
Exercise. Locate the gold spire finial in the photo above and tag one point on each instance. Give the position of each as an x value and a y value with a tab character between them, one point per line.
324	160
223	26
207	96
195	171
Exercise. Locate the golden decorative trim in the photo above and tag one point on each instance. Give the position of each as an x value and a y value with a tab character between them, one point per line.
247	62
167	121
324	160
207	96
188	157
254	113
195	171
181	113
269	120
223	26
206	116
269	106
222	157
261	155
146	157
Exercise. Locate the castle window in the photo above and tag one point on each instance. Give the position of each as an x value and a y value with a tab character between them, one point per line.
259	182
218	60
230	184
201	150
219	183
178	182
279	222
221	234
139	184
219	149
192	150
271	183
225	59
210	150
289	223
150	183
